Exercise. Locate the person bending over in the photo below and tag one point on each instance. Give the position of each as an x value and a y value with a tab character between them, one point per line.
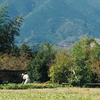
26	78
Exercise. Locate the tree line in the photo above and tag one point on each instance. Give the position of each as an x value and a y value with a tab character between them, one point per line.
76	66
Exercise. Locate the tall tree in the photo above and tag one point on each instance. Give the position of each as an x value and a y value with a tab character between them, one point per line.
81	53
38	67
49	53
25	50
60	71
9	28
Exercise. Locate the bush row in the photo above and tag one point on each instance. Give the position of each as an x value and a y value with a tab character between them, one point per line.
30	86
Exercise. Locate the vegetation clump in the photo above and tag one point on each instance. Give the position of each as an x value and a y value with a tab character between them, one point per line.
76	66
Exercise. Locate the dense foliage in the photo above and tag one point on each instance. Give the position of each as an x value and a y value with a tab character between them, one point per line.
30	86
80	52
60	71
9	28
38	67
76	66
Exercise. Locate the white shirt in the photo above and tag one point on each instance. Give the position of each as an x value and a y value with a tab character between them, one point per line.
25	77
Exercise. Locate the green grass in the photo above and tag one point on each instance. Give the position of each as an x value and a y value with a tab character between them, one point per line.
51	94
45	91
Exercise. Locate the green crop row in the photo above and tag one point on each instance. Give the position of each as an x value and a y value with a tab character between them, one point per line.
30	86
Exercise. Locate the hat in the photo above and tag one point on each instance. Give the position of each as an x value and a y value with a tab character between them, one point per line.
22	74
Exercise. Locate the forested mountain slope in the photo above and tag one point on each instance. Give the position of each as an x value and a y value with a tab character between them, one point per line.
60	22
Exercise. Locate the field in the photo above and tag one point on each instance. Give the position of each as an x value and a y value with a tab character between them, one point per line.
65	93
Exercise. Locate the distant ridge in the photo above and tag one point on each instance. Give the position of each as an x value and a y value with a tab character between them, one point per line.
60	22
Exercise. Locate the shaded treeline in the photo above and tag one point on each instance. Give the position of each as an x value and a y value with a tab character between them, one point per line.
76	66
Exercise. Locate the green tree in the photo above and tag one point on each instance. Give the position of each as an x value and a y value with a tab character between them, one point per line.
95	58
38	67
49	52
35	47
15	51
25	50
9	28
60	71
81	53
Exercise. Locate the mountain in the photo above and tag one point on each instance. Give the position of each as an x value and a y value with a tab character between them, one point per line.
60	22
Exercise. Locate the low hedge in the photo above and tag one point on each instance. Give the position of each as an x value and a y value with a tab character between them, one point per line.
30	86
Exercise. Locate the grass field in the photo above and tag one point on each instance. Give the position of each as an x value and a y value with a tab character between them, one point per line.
70	93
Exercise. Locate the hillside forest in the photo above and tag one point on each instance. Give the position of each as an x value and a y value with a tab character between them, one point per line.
46	63
61	22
